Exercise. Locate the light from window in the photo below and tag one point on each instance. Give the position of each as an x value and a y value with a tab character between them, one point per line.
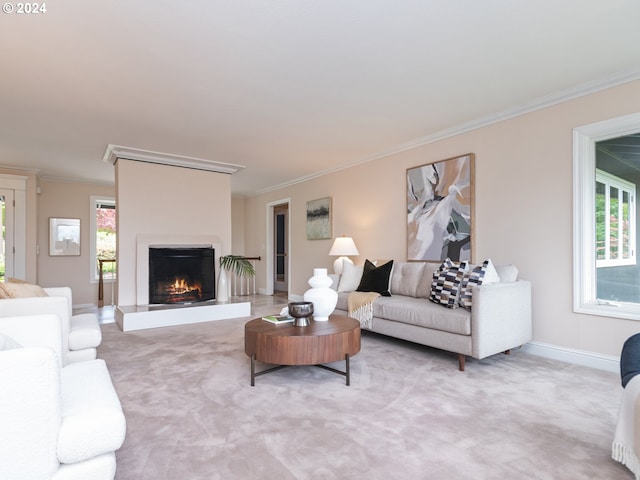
615	221
604	226
103	237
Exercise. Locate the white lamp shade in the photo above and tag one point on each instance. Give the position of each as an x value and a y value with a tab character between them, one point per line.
343	246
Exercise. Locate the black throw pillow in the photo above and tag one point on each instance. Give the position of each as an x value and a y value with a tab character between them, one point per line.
630	359
376	279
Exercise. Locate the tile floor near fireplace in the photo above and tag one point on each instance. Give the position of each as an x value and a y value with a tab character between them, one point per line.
135	317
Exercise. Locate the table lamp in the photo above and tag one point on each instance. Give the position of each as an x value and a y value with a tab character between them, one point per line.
341	247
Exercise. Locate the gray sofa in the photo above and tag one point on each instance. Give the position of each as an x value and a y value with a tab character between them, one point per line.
498	320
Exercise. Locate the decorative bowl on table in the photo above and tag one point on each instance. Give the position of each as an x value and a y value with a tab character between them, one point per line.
302	312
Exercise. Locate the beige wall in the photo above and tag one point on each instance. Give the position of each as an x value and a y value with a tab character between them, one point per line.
160	199
69	200
523	211
237	226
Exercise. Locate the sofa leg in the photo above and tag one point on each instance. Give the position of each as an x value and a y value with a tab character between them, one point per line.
461	359
507	352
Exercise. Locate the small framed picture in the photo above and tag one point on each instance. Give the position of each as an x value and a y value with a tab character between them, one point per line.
319	219
64	237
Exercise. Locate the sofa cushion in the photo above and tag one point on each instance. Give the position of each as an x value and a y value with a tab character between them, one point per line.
8	343
424	284
445	287
376	279
406	277
423	313
350	278
21	290
478	275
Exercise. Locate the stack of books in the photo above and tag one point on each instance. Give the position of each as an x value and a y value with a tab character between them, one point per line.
278	318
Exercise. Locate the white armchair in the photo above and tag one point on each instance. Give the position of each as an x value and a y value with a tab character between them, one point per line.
81	334
60	423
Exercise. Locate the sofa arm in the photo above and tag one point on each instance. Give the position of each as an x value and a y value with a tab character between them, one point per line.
92	419
84	332
500	317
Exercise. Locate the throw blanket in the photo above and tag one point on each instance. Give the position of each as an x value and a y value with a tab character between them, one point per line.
626	441
360	306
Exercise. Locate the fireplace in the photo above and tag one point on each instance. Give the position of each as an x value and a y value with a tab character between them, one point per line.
181	274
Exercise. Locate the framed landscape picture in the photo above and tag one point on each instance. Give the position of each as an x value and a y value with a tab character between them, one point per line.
440	203
319	219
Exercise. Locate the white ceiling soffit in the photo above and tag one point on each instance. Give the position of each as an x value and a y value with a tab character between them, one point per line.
115	152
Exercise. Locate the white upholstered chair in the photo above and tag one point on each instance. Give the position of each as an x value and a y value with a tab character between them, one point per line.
58	422
81	334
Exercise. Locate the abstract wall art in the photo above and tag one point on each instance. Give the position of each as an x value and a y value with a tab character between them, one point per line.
319	219
440	210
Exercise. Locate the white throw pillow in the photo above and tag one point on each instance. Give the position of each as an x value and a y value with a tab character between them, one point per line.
8	343
350	278
507	273
478	275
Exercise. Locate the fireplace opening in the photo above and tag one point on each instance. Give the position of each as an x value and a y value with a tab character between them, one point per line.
181	274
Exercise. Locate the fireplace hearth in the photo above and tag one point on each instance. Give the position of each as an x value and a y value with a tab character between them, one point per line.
181	274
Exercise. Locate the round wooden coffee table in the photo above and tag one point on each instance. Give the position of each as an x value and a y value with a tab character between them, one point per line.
285	345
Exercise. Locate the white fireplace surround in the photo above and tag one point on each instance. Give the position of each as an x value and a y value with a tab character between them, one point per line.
144	241
143	316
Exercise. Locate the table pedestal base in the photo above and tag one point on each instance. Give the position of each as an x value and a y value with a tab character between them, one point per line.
255	374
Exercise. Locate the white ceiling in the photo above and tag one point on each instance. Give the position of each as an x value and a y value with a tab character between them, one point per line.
288	88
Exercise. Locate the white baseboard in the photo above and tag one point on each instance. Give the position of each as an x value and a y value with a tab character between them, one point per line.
571	355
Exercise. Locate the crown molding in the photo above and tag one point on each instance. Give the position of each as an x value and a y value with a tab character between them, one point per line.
115	152
14	168
556	98
82	181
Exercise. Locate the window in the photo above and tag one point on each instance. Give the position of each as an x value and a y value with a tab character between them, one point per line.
604	219
615	221
103	237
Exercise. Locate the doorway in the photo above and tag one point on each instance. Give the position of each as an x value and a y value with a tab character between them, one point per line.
7	249
281	248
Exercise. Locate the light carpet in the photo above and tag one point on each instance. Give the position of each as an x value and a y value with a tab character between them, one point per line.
408	414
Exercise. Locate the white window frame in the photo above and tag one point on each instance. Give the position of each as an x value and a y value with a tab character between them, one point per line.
93	261
609	181
584	231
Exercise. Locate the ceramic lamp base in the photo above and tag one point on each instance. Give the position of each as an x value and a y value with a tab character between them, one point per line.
337	265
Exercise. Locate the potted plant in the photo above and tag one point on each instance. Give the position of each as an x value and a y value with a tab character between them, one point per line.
237	264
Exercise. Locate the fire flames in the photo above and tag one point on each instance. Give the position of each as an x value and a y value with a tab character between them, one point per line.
181	286
181	290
